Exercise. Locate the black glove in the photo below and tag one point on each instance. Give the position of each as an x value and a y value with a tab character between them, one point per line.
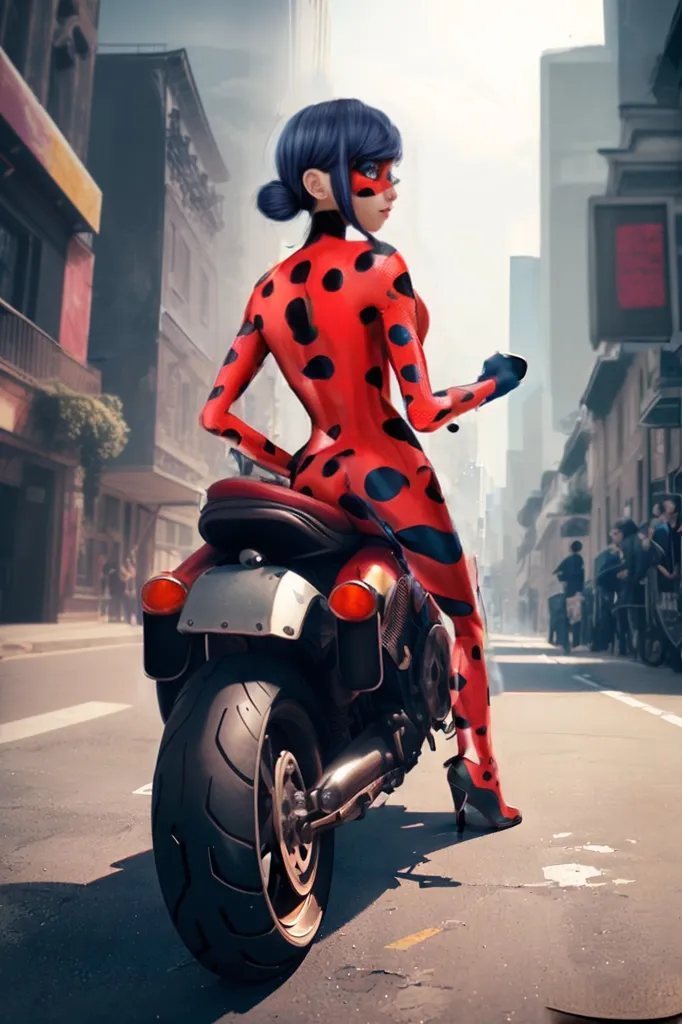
500	369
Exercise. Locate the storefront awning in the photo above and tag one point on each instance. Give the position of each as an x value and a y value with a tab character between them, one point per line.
606	380
146	486
35	129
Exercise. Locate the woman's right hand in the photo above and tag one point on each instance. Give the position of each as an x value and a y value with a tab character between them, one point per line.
501	369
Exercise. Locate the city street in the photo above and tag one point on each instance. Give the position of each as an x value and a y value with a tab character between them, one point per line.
579	908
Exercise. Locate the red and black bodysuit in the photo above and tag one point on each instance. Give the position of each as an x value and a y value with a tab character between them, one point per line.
337	315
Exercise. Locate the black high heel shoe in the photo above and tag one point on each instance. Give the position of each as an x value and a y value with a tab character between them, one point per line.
466	789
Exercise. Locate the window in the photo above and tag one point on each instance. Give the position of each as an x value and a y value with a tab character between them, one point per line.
15	26
205	299
172	247
19	265
181	271
9	264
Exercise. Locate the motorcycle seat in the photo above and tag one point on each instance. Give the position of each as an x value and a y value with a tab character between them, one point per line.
275	520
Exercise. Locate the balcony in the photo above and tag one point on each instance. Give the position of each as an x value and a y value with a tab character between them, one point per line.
31	355
661	400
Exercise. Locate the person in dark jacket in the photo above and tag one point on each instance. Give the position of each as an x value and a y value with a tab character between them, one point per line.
606	568
571	572
638	557
667	535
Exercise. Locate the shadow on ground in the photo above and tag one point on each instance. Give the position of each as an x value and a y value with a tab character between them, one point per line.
106	952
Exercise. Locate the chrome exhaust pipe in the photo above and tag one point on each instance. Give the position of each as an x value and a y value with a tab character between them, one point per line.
369	758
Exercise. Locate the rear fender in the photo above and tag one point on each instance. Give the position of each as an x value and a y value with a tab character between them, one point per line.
266	602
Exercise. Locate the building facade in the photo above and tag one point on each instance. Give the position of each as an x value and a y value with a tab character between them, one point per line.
525	339
49	213
255	64
155	316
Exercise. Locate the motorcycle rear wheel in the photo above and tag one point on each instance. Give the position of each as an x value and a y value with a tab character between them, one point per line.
245	897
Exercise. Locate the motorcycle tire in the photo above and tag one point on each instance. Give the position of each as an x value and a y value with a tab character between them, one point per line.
652	651
246	899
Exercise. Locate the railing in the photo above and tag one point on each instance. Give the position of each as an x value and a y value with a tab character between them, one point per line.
24	347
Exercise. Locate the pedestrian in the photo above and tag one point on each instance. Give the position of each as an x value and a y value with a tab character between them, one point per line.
116	590
571	572
666	535
129	574
606	568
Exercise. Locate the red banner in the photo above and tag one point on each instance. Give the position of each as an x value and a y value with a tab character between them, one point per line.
640	266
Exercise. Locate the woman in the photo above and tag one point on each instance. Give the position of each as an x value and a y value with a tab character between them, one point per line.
336	315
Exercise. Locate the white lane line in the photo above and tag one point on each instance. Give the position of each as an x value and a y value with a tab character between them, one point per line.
36	725
632	702
70	650
143	790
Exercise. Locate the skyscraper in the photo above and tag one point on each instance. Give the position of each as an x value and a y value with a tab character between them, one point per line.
525	338
579	115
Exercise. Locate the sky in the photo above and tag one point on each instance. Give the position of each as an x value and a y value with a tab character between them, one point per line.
461	79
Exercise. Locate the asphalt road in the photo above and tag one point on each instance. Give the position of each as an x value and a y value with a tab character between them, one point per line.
579	908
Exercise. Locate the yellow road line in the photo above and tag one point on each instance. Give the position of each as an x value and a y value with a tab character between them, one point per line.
413	940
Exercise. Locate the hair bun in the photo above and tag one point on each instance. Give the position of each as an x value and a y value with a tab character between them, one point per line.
277	201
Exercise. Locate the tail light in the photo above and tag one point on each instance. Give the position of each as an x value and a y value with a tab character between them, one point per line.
163	595
353	601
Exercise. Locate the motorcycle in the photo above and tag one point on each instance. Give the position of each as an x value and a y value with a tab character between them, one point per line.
300	669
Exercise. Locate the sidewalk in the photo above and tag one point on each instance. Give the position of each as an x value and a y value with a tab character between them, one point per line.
44	637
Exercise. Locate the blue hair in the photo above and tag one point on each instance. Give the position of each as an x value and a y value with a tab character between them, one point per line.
331	137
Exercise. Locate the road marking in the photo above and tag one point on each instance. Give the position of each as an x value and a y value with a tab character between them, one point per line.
572	876
36	725
413	940
143	790
562	835
632	702
71	650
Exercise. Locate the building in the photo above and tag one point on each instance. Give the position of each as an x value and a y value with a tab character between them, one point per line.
578	116
49	213
525	339
255	64
155	315
633	394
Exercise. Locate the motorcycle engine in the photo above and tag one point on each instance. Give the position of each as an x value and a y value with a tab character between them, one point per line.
434	673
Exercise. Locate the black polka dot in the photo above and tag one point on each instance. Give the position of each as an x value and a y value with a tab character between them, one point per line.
452	427
392	295
307	491
308	461
345	453
399	430
296	316
258	322
442	546
217	392
482	730
468	397
382	248
212	430
433	490
385	483
441	414
476	652
319	368
375	377
334	432
232	435
332	280
487	776
242	389
364	261
230	357
403	285
440	394
460	682
369	314
246	328
399	335
462	723
349	503
299	275
410	373
269	448
451	606
331	467
365	193
409	399
268	289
